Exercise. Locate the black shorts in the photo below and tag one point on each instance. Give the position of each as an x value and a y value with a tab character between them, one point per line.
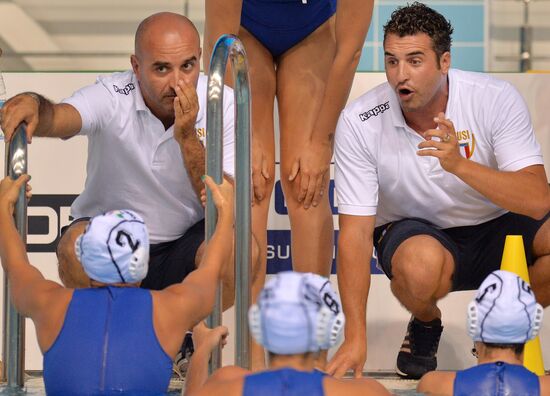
169	262
477	250
65	228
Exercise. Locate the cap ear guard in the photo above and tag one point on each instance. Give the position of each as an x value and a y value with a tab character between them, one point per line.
139	263
330	318
537	321
328	327
472	320
255	323
78	247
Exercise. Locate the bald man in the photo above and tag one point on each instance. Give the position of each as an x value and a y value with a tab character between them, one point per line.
146	131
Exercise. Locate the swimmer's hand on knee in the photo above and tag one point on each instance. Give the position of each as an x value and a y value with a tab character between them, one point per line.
313	168
260	173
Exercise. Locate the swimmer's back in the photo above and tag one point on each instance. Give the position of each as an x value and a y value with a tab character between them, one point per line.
496	379
234	381
286	381
107	345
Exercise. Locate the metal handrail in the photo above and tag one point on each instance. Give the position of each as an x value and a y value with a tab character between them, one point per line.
229	46
13	350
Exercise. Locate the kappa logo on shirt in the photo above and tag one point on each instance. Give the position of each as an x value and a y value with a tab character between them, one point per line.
126	90
374	111
466	142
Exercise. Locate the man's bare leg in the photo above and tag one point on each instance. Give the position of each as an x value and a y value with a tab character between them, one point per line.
422	269
539	273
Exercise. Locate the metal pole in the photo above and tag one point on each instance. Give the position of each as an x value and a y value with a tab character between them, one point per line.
525	40
229	46
13	351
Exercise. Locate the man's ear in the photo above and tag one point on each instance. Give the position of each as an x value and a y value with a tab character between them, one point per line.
135	64
445	62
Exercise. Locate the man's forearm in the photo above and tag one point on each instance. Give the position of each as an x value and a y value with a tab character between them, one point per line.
45	115
354	283
193	154
509	189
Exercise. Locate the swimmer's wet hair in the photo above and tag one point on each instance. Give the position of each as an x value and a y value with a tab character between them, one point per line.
419	18
516	348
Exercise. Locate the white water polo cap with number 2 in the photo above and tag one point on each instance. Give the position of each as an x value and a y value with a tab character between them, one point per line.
114	248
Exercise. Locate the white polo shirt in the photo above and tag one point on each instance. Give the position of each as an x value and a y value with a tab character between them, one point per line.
134	163
377	170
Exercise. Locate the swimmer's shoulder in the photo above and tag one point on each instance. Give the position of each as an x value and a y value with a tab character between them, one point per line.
231	386
353	387
544	385
437	382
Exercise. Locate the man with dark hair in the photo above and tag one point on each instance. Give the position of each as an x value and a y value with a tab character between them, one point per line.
433	169
418	18
501	319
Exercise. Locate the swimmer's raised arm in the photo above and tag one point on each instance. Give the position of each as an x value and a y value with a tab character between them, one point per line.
29	289
43	118
190	301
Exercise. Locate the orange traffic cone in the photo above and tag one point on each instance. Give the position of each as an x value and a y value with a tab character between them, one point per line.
513	260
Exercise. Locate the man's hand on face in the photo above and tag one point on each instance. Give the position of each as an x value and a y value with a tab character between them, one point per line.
186	108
